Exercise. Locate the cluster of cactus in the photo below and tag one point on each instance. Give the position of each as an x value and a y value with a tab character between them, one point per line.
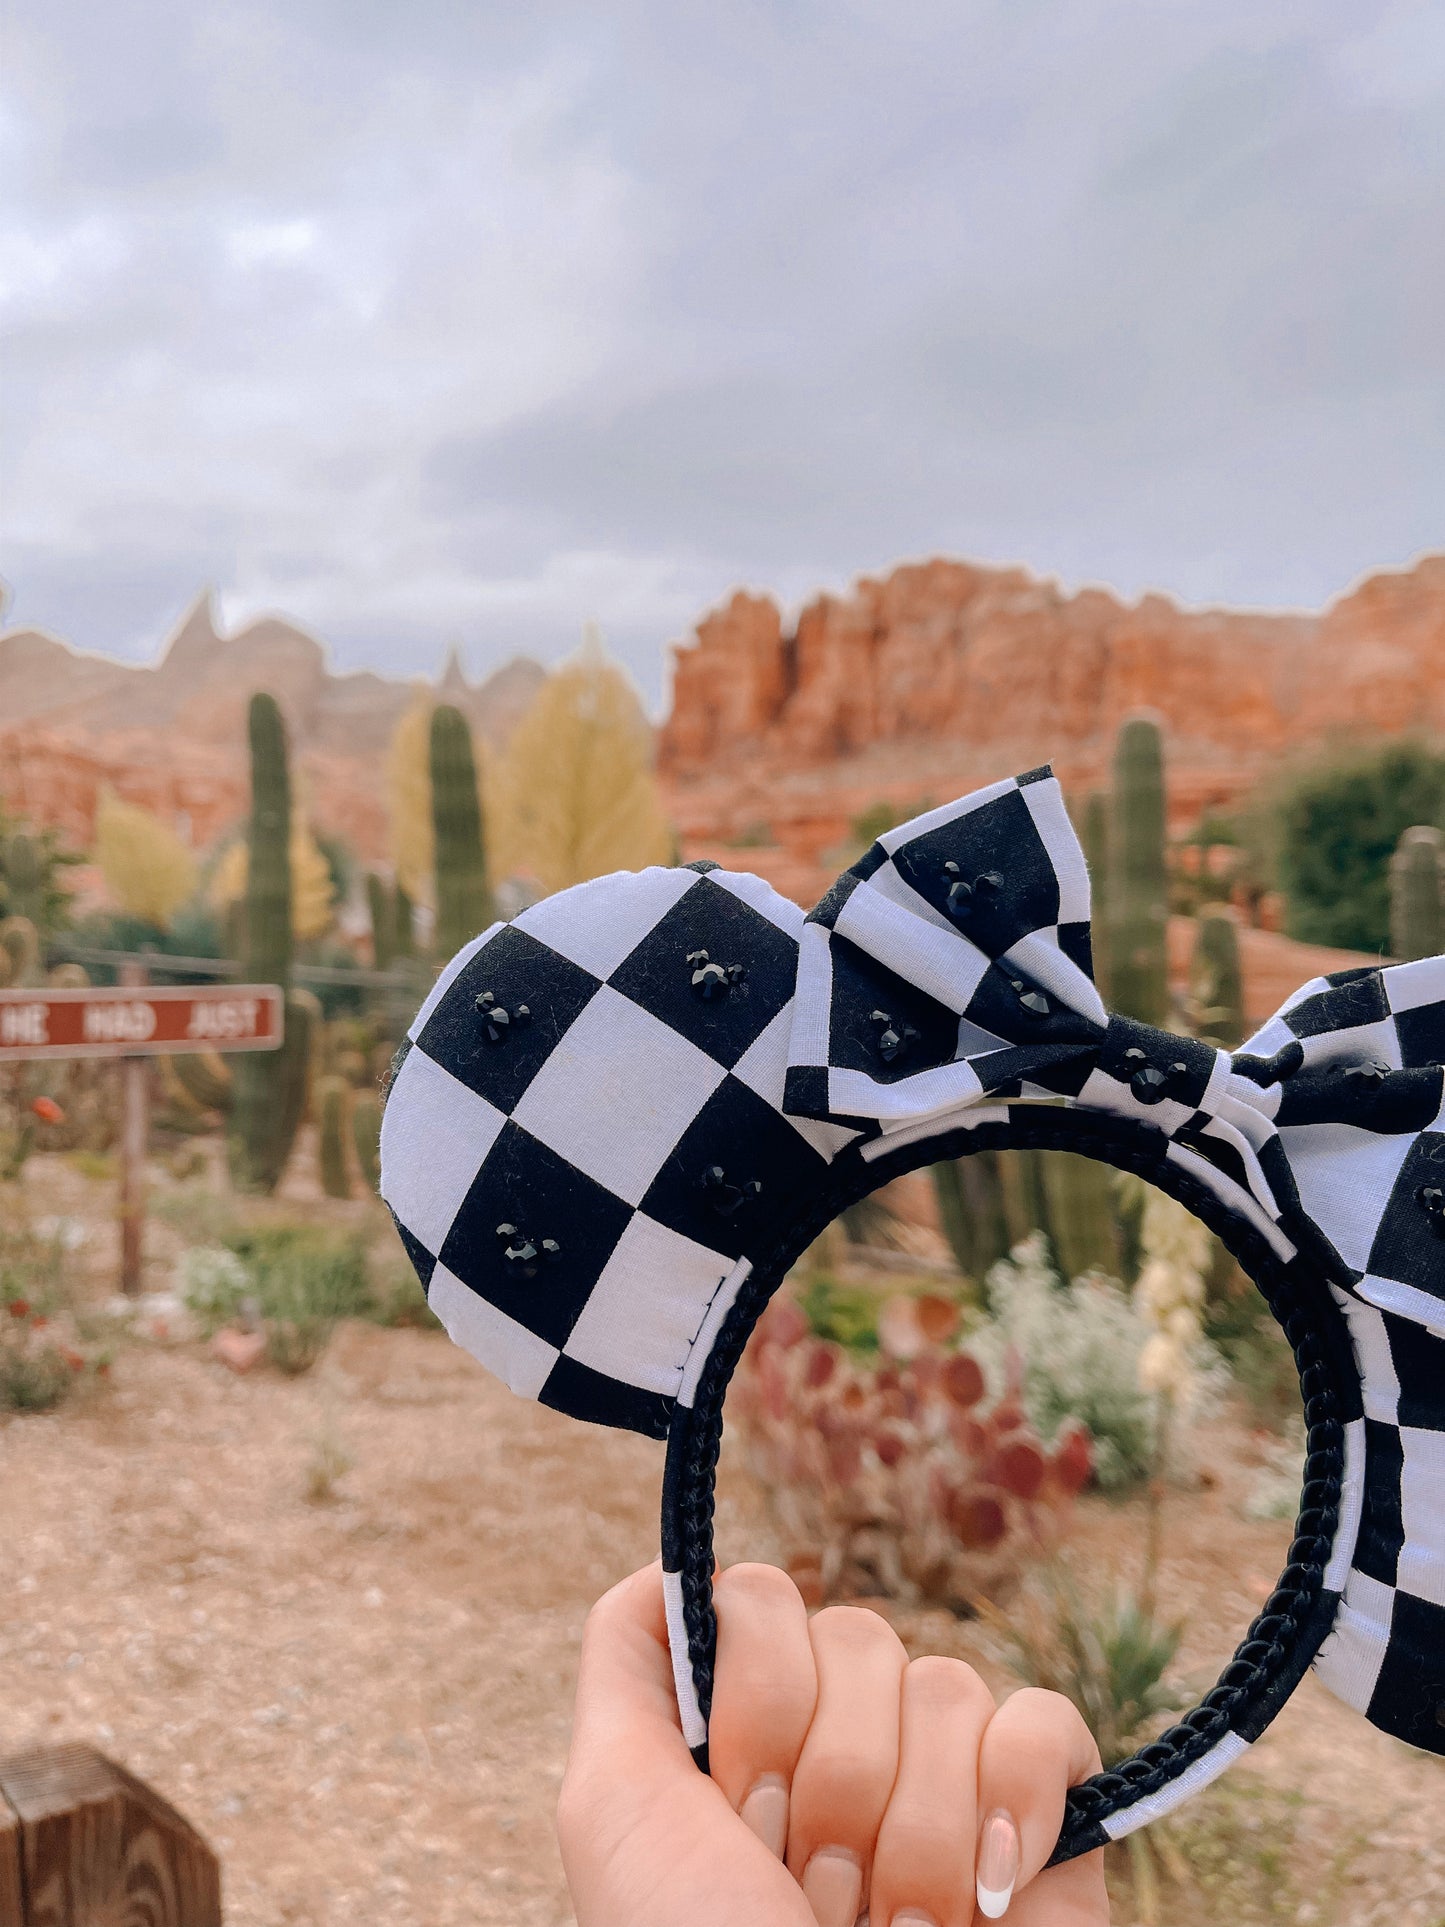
1417	894
464	897
901	1477
991	1200
270	1088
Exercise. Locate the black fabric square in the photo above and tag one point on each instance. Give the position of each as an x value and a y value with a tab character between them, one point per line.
581	1392
999	838
1382	1528
1422	1035
1419	1360
658	976
998	1006
926	1032
1397	1105
524	1184
1359	1000
516	969
423	1261
1077	943
1409	1695
805	1090
740	1135
1407	1244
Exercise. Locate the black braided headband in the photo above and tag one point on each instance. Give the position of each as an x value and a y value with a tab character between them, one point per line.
1284	1638
618	1119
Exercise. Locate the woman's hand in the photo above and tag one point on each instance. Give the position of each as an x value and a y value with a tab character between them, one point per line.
844	1779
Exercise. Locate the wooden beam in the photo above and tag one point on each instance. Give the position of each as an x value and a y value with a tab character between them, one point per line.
98	1844
11	1914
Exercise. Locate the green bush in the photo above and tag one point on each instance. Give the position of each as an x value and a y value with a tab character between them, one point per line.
1337	825
296	1280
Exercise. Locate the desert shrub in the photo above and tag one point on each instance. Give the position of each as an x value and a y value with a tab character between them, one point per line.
1077	1348
1242	1329
901	1477
295	1280
43	1352
397	1298
1337	825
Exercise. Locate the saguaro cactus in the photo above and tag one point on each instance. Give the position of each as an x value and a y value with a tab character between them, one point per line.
1216	980
1417	894
1138	889
404	937
366	1135
270	1087
383	921
331	1098
464	902
1094	836
1083	1221
971	1209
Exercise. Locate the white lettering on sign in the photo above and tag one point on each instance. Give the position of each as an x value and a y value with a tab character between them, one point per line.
24	1024
128	1023
236	1017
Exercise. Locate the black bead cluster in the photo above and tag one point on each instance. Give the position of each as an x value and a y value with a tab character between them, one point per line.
711	980
1032	1001
1369	1076
497	1022
725	1197
526	1255
893	1039
963	897
1431	1199
1149	1084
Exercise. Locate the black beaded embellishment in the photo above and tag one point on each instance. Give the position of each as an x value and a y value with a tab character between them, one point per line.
725	1197
526	1255
1149	1084
893	1038
1431	1198
1370	1075
497	1022
1032	1001
711	980
964	898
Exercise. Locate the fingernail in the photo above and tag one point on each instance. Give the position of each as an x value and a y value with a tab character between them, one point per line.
766	1811
914	1919
833	1887
998	1863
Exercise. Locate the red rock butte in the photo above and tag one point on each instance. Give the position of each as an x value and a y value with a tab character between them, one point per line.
943	675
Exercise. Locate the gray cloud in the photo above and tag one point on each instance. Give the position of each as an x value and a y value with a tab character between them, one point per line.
464	321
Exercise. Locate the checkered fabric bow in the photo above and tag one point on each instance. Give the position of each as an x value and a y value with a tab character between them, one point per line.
952	966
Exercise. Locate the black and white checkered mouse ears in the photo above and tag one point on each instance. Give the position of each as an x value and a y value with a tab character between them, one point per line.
620	1118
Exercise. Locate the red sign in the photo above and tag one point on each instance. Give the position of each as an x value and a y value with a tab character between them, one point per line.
141	1021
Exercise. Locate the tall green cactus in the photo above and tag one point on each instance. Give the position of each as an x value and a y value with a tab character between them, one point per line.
1138	887
383	921
1094	836
404	929
1217	981
1417	894
270	1086
366	1136
971	1208
1083	1221
464	901
331	1101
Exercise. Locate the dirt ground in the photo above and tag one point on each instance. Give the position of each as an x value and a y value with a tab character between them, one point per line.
365	1703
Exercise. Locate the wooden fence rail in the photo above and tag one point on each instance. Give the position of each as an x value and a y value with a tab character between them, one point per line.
83	1843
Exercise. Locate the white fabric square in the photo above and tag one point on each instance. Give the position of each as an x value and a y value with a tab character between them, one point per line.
434	1135
518	1356
1354	1649
761	896
941	963
888	883
1409	985
600	923
1344	1176
763	1067
617	1092
644	1311
1059	838
1422	1557
1377	1043
448	977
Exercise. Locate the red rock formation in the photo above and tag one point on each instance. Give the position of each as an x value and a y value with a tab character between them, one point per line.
943	675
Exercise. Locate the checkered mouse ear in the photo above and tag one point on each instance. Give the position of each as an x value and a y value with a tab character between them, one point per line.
584	1146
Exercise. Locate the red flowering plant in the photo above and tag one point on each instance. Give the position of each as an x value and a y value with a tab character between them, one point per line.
900	1476
43	1349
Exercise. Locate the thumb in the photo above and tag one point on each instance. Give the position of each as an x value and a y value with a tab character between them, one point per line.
626	1701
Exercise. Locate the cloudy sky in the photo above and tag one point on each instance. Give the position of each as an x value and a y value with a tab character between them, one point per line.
460	320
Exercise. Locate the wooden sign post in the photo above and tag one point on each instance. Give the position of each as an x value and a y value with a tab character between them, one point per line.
133	1021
